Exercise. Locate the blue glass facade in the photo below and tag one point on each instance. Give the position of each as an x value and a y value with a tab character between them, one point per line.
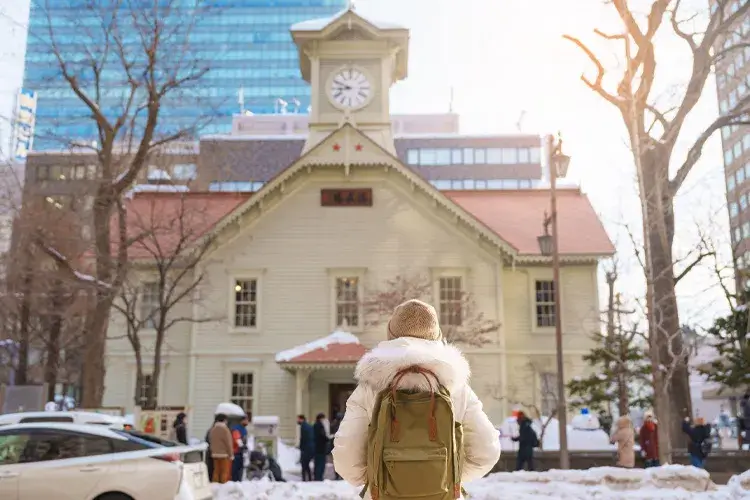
246	45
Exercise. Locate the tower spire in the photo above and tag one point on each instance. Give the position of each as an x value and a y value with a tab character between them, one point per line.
352	4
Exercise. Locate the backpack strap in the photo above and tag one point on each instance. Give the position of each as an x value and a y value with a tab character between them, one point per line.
395	428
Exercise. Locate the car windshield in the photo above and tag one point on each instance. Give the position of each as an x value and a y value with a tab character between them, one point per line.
139	438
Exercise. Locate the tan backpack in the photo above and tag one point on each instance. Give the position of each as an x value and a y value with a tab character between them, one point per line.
414	445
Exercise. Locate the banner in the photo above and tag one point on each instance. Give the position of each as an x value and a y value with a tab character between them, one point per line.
23	127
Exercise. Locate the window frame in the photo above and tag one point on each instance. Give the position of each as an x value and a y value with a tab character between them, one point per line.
334	274
248	275
545	303
442	273
230	372
533	277
145	325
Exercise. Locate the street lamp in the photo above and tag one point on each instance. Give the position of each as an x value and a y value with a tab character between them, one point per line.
549	246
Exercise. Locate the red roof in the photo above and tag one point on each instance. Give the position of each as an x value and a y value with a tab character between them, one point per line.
160	221
517	217
331	354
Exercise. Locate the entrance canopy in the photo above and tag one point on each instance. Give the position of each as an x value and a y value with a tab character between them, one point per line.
337	350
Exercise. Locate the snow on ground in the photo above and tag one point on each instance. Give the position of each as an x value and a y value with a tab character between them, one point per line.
673	482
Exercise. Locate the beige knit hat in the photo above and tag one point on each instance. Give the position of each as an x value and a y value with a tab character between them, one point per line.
414	318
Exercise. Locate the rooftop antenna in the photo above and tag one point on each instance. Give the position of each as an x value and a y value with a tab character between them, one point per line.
450	105
519	123
352	5
241	100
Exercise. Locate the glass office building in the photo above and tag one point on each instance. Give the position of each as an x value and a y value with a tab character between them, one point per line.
246	45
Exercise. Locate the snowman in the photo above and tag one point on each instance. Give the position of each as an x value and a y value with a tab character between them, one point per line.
585	421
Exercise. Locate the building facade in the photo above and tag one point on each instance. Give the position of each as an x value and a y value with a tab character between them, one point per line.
732	81
285	306
245	43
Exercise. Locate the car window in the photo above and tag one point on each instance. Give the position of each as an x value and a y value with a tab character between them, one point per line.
46	446
97	445
11	447
31	420
130	445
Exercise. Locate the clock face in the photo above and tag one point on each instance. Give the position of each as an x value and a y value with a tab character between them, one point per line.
350	88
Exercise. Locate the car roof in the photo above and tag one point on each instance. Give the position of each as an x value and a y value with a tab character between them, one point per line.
95	430
89	415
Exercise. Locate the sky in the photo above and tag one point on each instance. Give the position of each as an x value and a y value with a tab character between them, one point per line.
14	16
508	69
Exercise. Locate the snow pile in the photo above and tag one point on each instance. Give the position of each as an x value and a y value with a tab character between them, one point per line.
288	457
337	337
671	482
585	422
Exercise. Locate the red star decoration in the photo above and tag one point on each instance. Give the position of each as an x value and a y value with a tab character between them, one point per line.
336	147
358	147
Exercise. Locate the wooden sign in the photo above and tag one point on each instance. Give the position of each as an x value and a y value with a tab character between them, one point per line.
346	197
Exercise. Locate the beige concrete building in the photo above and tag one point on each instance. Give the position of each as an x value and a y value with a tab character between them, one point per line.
309	253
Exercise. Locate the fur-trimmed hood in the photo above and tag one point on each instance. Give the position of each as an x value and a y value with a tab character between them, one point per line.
378	367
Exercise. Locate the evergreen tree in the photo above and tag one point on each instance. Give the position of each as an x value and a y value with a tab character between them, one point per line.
729	336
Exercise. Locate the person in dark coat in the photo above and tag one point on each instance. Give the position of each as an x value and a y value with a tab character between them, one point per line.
322	438
239	438
527	440
648	438
698	434
743	422
180	428
306	447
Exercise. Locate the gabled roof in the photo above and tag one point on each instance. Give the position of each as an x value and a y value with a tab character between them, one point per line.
511	220
518	217
322	23
337	348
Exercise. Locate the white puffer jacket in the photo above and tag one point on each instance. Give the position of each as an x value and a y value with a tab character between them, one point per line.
374	373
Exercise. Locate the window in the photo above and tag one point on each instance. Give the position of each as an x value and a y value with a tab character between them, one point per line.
246	303
147	384
451	295
536	154
11	448
47	446
545	303
737	235
745	230
738	149
494	156
443	157
733	209
743	202
428	157
150	304
412	157
468	156
347	302
548	393
740	175
510	156
242	391
728	158
184	171
523	155
456	157
480	156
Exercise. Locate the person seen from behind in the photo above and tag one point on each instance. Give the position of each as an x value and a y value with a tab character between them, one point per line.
699	446
322	440
527	440
648	438
239	440
426	425
222	449
624	438
306	447
179	428
209	460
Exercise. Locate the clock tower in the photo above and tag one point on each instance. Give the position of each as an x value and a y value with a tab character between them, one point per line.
351	63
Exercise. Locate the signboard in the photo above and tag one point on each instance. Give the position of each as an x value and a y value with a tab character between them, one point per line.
23	128
156	422
346	197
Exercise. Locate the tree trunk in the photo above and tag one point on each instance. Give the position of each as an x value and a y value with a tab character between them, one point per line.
52	364
138	378
95	333
154	387
665	318
24	332
623	402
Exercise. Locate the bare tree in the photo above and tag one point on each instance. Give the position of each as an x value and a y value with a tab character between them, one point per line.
164	273
653	132
148	45
460	321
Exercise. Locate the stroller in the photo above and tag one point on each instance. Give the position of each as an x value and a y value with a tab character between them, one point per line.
262	466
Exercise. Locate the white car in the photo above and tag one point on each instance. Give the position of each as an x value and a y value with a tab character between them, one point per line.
73	417
26	473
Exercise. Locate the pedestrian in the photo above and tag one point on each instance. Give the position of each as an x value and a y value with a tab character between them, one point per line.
179	428
648	438
744	420
306	446
699	446
239	442
449	438
527	440
624	438
209	459
222	447
322	440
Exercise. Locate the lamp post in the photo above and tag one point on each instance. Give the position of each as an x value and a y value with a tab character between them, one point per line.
548	245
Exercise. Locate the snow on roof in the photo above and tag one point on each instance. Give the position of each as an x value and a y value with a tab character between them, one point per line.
321	23
337	337
161	188
267	420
